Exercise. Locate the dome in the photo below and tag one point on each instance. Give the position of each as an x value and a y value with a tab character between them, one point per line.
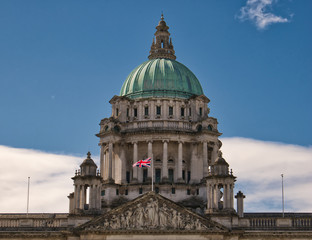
161	77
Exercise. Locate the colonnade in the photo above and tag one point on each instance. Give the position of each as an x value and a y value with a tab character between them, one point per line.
113	155
80	196
214	195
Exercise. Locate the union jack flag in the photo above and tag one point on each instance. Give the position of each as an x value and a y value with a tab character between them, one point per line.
143	163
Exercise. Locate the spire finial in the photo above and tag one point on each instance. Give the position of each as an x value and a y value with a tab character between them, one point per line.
88	155
162	46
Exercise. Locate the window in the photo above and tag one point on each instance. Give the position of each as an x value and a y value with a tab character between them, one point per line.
158	160
197	191
117	111
183	174
200	111
188	176
103	193
158	110
182	111
117	191
173	190
188	191
144	175
140	190
156	189
128	177
146	111
209	127
170	160
170	111
170	175
127	112
190	111
135	112
126	192
157	175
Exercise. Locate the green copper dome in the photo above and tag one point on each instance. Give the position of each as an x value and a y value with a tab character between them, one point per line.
161	77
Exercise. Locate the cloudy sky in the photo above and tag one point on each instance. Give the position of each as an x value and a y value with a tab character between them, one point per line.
62	61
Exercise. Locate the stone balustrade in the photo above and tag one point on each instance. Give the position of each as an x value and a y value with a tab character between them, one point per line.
295	221
164	125
32	221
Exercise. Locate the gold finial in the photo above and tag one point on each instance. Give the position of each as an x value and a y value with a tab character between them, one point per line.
162	16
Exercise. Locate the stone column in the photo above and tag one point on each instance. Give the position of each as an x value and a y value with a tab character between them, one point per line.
225	196
76	196
240	203
165	161
102	160
82	197
122	163
205	159
98	201
150	154
217	196
180	158
95	196
231	196
110	161
213	197
194	164
214	153
209	196
135	159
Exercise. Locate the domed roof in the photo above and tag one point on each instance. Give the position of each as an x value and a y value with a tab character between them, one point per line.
161	77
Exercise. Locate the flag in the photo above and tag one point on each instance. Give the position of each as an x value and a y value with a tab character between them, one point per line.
143	163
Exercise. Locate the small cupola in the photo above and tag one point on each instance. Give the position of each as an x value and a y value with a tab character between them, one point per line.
162	44
88	167
220	167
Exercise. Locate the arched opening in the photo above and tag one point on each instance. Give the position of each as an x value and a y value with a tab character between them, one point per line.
199	128
117	129
220	200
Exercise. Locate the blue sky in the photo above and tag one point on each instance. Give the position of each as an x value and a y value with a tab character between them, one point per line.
62	61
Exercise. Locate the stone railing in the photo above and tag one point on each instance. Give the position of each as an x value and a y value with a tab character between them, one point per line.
294	221
35	222
164	125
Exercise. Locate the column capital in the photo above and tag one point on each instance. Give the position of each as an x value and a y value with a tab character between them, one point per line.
134	142
165	141
149	141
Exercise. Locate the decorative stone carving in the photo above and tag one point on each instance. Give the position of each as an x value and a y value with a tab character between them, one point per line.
150	212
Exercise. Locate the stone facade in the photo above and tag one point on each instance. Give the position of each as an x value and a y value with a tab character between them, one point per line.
193	186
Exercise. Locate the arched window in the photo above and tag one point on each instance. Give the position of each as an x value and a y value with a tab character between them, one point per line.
209	127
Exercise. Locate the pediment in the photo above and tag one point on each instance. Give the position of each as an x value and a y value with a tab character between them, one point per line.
150	212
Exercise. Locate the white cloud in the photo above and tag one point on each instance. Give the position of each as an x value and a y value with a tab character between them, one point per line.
50	180
257	12
257	165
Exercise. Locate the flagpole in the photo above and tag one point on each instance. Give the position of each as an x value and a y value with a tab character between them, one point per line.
282	175
152	172
28	196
